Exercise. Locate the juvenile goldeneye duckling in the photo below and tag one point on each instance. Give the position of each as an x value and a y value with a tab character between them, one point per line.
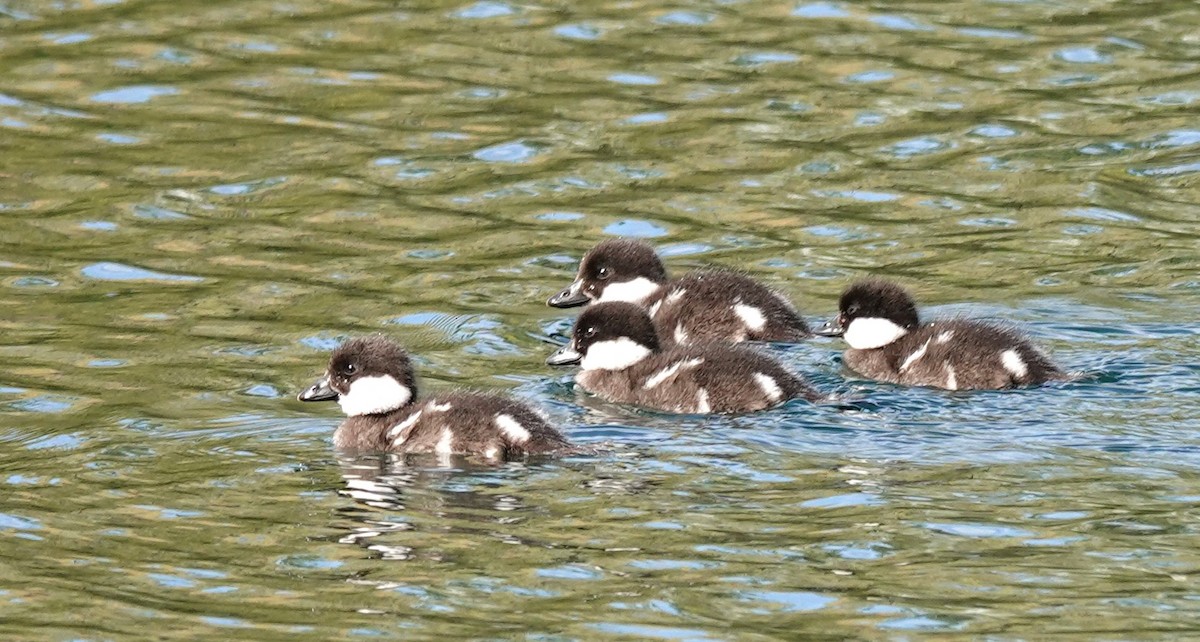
623	361
372	380
878	319
703	305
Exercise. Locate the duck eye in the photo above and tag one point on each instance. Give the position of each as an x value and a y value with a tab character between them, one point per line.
350	368
604	273
590	332
853	309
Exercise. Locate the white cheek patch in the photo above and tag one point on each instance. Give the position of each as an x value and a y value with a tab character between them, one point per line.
512	429
751	316
373	395
769	386
635	291
869	333
615	354
1013	363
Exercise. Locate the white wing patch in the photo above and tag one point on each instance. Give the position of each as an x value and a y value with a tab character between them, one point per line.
512	429
635	291
654	308
374	395
675	296
681	335
661	376
445	445
751	316
769	386
915	356
702	401
945	336
951	379
434	406
1013	363
669	371
868	333
615	354
397	432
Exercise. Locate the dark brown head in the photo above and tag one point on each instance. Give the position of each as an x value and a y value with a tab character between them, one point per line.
367	376
609	336
614	270
873	313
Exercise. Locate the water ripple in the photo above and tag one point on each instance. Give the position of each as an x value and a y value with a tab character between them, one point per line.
313	171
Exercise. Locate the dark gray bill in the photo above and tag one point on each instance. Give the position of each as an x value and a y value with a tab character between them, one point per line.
319	391
832	328
565	355
569	298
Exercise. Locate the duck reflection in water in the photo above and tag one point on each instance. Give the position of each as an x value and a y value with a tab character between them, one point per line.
396	495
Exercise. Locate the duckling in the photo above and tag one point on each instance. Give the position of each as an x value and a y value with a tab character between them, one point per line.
878	320
703	305
372	380
623	360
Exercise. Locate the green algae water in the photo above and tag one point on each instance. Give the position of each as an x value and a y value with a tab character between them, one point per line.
200	199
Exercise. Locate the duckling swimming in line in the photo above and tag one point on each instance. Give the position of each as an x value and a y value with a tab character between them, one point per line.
622	360
878	320
703	305
372	380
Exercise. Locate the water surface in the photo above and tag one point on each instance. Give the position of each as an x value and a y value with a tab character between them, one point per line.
200	199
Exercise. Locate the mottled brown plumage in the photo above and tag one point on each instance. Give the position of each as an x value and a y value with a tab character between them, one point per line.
623	361
703	305
494	426
954	354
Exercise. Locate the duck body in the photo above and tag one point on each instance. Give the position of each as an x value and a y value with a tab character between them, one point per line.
699	379
956	354
622	360
722	305
701	306
372	379
887	342
454	423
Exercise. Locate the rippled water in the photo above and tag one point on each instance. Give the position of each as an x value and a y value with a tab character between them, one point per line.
200	199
